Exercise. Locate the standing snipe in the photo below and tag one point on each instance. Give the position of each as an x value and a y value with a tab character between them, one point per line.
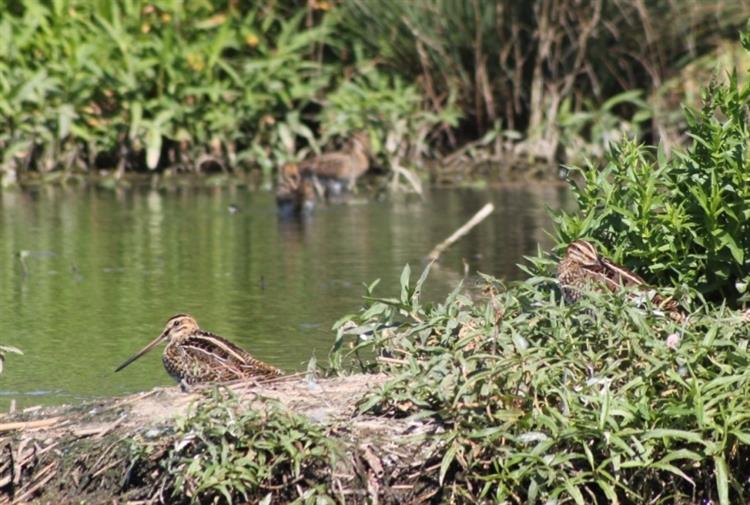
194	356
582	265
340	167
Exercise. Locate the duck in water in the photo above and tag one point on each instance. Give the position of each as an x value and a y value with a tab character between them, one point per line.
296	193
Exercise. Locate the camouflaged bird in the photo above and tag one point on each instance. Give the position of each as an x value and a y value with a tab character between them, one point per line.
583	266
194	356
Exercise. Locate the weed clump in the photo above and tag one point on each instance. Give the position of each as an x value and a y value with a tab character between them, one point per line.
598	402
680	220
226	452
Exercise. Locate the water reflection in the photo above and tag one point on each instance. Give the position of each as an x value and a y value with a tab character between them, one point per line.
104	270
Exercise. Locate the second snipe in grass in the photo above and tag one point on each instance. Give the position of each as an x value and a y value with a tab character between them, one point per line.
582	265
194	356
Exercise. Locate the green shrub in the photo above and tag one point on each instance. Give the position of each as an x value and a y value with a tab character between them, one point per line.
133	85
225	452
683	220
598	402
592	132
391	110
80	81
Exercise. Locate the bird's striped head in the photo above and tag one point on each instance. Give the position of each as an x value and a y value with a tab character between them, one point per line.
584	253
178	327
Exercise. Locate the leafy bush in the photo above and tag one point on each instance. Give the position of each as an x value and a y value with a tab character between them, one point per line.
392	111
683	220
83	80
130	85
593	132
598	402
226	452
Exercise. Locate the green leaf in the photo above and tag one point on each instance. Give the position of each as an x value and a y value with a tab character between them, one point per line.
405	291
722	479
574	492
418	287
447	461
688	436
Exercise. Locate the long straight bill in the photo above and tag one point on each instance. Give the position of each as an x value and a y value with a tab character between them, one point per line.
140	353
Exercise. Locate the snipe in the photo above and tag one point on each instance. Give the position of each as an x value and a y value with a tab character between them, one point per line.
341	167
583	266
295	191
194	356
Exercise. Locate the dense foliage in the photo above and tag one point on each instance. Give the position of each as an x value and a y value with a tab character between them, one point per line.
683	220
225	452
542	402
527	65
196	85
221	83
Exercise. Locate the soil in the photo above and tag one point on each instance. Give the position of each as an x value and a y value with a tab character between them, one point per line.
82	453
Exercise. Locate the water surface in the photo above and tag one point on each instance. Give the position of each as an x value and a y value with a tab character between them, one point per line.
101	271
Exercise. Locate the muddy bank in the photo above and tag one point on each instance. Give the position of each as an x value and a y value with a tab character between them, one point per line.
87	452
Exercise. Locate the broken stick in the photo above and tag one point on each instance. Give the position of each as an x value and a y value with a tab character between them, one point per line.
23	425
466	228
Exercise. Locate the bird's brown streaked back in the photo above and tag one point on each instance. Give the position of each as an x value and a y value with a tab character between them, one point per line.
582	265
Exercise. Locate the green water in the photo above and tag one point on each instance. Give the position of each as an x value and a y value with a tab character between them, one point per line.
104	270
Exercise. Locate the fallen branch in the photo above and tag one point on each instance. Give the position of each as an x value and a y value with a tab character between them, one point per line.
409	176
42	477
22	425
466	228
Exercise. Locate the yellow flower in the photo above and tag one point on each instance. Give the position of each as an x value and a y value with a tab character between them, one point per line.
251	40
145	28
195	61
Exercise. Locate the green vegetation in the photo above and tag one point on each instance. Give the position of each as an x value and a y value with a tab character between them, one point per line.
530	67
683	219
598	402
225	452
136	85
560	50
195	86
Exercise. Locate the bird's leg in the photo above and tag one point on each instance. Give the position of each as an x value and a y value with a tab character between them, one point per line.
184	386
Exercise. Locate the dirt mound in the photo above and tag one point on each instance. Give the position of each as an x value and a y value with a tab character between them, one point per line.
84	452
